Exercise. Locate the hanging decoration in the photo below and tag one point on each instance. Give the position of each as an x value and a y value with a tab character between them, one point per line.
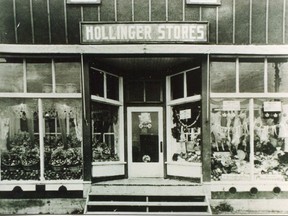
145	120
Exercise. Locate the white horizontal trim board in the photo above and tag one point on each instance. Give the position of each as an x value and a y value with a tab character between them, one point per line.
145	49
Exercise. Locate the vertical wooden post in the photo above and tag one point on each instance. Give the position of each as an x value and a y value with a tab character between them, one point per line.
205	120
86	120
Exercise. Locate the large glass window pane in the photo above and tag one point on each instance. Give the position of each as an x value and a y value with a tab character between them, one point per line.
11	77
251	75
105	132
112	87
223	76
63	139
97	83
177	86
230	142
39	76
193	82
277	75
19	139
186	133
271	139
67	75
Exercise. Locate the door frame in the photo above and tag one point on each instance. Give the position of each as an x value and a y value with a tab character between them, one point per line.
135	170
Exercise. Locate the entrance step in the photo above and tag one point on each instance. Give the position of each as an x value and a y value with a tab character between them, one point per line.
147	196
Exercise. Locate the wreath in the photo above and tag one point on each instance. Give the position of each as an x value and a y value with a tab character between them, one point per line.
146	158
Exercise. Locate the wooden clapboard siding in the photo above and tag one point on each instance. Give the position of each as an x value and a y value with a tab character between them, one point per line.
55	22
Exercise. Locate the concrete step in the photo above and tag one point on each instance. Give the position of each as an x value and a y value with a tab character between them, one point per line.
103	203
149	213
149	196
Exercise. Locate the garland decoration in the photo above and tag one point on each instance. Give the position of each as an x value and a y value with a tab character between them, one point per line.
190	125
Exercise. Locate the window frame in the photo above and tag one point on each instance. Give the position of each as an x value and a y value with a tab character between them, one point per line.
40	97
169	105
118	103
250	96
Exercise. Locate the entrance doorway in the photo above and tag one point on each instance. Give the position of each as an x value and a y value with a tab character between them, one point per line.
145	142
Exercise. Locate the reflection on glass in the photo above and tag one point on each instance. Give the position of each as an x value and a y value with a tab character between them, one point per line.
277	75
11	77
177	86
19	141
145	140
67	77
271	139
193	82
230	142
251	76
112	87
63	137
186	133
105	132
97	83
223	76
39	77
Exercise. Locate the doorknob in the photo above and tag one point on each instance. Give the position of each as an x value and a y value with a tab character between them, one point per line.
161	146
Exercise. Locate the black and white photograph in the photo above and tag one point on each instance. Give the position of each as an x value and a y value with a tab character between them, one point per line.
143	107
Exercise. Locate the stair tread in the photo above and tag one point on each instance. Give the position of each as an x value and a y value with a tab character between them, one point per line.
149	213
144	203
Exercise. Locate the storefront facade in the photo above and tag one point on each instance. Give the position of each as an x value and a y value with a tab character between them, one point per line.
114	89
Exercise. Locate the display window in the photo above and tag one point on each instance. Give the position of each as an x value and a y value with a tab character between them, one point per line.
20	155
105	132
67	75
230	139
270	139
248	131
62	139
277	75
39	76
106	116
184	112
41	139
223	76
249	71
11	76
186	133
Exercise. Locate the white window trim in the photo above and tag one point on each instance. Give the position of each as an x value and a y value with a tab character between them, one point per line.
251	97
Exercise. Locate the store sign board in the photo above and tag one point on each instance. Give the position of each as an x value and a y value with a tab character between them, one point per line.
209	2
99	33
272	106
83	1
231	106
185	114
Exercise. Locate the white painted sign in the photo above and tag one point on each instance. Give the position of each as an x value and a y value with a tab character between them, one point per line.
144	32
231	105
210	2
272	106
185	114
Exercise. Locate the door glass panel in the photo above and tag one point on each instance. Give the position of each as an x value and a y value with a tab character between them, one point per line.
145	138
